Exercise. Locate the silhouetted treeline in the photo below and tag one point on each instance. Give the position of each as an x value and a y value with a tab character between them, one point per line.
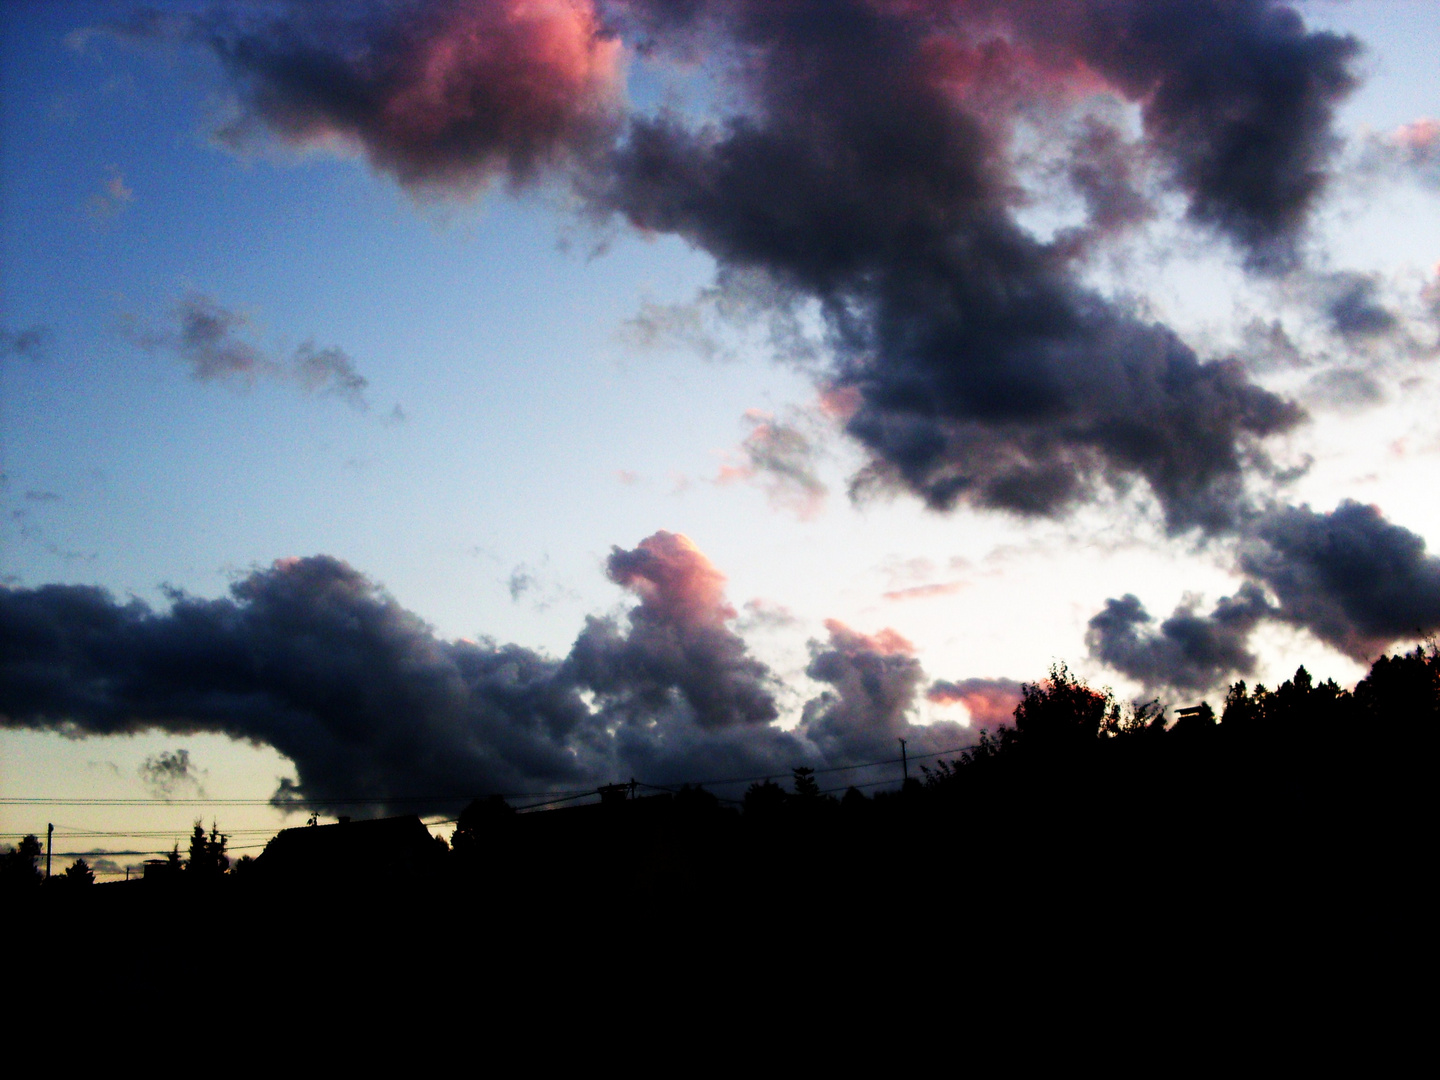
1301	795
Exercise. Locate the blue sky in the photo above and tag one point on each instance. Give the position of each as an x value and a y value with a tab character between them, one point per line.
541	386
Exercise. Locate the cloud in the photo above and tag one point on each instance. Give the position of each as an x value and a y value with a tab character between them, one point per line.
1411	150
762	614
209	338
331	371
986	371
874	681
443	95
1238	98
1346	388
1103	169
1188	651
100	862
782	458
32	343
205	338
311	658
990	702
674	326
170	771
521	581
925	592
1350	577
1352	306
113	197
314	659
677	653
858	158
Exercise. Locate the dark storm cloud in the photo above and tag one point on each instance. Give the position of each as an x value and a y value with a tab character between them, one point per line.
1188	651
1350	577
1235	94
986	372
308	657
874	682
209	338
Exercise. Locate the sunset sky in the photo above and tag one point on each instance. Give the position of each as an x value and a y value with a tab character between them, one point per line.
414	399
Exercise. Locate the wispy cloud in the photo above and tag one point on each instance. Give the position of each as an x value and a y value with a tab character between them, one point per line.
113	197
215	342
782	457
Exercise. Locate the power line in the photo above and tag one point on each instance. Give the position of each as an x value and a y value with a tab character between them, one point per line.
547	797
294	807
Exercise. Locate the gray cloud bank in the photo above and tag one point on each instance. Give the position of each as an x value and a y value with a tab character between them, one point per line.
311	657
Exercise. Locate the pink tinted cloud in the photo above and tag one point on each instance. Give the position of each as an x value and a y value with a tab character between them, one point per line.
925	592
1420	135
840	402
674	580
444	97
885	642
781	458
990	702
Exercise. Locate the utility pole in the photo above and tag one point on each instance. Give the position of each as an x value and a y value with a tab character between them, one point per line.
49	846
904	761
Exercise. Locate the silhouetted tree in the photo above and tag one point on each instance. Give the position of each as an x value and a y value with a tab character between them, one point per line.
805	785
20	866
764	799
207	860
1296	705
696	802
480	823
1062	712
79	874
1140	718
1240	711
1403	692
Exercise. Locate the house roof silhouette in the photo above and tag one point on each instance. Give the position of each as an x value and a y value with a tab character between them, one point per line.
384	847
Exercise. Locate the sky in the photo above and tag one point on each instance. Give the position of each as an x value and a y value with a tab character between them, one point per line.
407	400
